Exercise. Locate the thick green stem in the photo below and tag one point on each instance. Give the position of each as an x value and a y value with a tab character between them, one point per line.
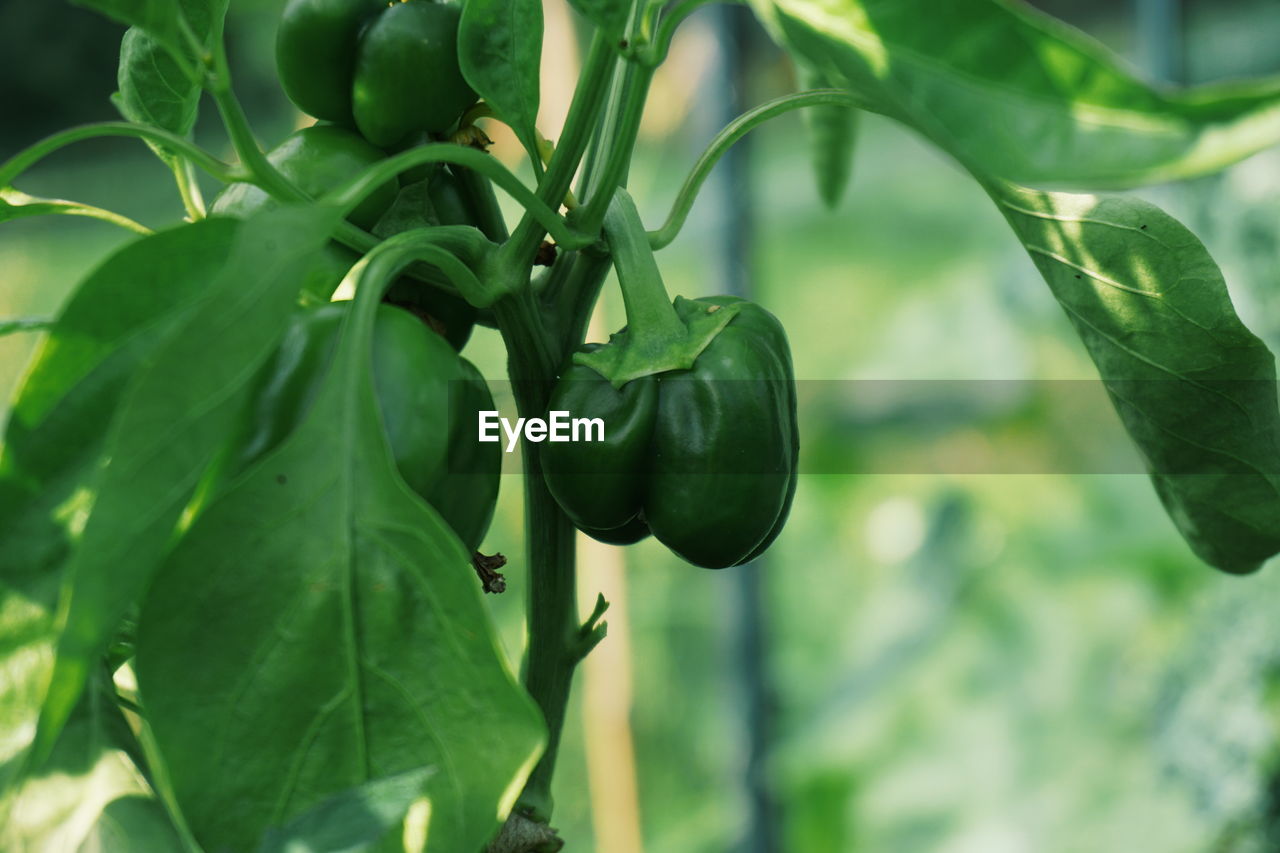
573	288
658	338
658	39
554	649
350	193
555	637
584	111
618	162
651	319
581	290
479	190
263	173
617	138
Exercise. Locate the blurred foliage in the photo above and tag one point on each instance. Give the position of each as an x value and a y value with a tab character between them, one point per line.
59	67
960	663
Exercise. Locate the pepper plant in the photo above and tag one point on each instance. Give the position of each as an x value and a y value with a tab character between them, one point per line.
238	524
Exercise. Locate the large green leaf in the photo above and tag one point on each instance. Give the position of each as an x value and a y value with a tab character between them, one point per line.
175	413
500	50
90	795
1195	388
833	136
54	437
319	627
129	824
1013	93
353	820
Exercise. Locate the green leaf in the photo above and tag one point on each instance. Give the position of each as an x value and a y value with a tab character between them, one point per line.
175	413
154	88
320	627
69	802
833	135
129	824
354	820
1195	388
15	204
610	16
1013	93
114	321
182	29
500	51
160	84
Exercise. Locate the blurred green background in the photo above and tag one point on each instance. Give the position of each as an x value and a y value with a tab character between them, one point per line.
990	663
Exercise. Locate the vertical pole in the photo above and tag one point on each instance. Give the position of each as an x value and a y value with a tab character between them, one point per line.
1159	29
1160	33
733	239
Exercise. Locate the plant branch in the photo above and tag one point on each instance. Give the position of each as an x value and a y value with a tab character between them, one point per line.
534	357
553	628
350	193
260	170
580	291
654	51
554	646
17	200
725	139
479	190
617	134
192	200
584	112
651	318
28	157
618	161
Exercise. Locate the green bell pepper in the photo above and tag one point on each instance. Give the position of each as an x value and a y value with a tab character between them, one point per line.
387	69
316	53
428	397
317	159
698	403
704	458
407	77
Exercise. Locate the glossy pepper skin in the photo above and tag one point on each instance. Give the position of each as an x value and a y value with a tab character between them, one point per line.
316	53
407	77
705	458
317	159
427	396
389	69
467	491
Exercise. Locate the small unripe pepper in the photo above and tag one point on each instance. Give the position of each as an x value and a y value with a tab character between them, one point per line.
428	396
699	409
388	69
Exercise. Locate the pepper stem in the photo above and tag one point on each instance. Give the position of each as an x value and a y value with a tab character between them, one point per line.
651	319
658	338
